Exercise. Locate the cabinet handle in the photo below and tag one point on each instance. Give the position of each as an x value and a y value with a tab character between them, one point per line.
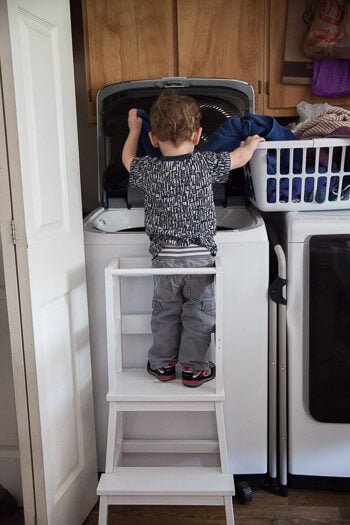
259	87
268	87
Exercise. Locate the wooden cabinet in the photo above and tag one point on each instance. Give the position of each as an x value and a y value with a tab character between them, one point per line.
237	39
224	39
127	40
281	99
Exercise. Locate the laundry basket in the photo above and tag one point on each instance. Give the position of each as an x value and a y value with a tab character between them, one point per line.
300	175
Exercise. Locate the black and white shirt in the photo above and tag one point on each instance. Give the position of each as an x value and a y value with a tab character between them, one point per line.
178	194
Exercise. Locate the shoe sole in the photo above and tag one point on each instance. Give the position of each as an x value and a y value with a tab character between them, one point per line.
163	379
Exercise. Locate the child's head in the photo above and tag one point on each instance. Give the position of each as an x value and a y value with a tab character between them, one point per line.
175	118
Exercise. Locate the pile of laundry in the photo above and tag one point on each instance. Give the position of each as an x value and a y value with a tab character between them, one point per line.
322	120
316	120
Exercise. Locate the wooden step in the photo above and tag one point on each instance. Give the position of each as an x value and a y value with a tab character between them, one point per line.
166	481
170	446
135	384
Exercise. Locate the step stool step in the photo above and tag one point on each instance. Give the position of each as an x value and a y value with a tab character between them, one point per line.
166	481
135	384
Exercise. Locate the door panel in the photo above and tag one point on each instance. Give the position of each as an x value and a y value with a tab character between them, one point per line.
329	340
128	40
43	101
53	291
222	38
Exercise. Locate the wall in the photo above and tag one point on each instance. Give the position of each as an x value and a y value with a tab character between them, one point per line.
86	131
10	470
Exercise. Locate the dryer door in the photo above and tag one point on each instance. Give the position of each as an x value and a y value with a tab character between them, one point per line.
329	334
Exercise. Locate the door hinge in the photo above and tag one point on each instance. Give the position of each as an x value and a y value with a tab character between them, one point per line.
268	87
13	231
90	95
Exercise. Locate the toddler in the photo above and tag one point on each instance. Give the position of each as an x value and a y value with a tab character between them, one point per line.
180	221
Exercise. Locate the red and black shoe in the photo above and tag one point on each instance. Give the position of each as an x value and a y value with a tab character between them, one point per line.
165	373
198	377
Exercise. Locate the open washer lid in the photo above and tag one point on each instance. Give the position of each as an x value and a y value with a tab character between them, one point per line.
218	100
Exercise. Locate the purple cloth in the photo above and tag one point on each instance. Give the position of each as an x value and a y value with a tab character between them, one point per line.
343	132
331	77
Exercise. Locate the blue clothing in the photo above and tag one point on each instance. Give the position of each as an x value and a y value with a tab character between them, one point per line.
144	146
229	136
235	130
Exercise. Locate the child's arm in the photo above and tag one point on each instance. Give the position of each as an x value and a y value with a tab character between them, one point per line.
130	146
240	156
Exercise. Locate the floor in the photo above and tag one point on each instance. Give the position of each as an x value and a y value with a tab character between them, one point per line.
302	507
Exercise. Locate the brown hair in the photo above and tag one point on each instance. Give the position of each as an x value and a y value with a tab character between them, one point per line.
174	117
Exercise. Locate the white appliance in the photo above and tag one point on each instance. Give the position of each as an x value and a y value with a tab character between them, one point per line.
116	231
318	314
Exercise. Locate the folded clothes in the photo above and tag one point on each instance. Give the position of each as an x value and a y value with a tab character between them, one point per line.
325	124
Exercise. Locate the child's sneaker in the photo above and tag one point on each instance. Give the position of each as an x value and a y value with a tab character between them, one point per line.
198	377
165	373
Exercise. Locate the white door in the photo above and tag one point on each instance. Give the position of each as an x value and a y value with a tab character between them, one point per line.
44	174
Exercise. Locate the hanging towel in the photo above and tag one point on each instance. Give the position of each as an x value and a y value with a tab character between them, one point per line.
331	77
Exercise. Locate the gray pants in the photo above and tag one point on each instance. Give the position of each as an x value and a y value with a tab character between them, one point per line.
183	315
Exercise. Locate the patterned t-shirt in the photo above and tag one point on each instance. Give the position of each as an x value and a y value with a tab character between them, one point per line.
178	195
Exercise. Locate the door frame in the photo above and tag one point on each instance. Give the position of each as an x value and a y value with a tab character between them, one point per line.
15	328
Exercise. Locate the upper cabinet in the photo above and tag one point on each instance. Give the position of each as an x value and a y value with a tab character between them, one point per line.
236	39
223	39
281	99
127	40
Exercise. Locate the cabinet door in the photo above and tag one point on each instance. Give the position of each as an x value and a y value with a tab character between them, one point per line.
282	98
128	40
222	38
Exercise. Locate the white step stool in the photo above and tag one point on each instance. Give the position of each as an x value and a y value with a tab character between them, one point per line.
134	389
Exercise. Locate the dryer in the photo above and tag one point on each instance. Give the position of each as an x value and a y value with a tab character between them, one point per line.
318	320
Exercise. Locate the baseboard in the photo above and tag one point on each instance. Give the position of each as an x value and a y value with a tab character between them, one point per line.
318	482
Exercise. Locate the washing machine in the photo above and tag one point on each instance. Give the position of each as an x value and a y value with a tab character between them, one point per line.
317	246
117	230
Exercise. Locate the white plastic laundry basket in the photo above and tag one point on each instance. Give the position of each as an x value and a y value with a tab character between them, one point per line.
300	175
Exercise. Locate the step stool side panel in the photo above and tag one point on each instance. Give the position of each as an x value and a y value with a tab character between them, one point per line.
219	327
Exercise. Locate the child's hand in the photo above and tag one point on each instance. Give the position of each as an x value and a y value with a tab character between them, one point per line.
134	122
253	142
240	156
130	146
